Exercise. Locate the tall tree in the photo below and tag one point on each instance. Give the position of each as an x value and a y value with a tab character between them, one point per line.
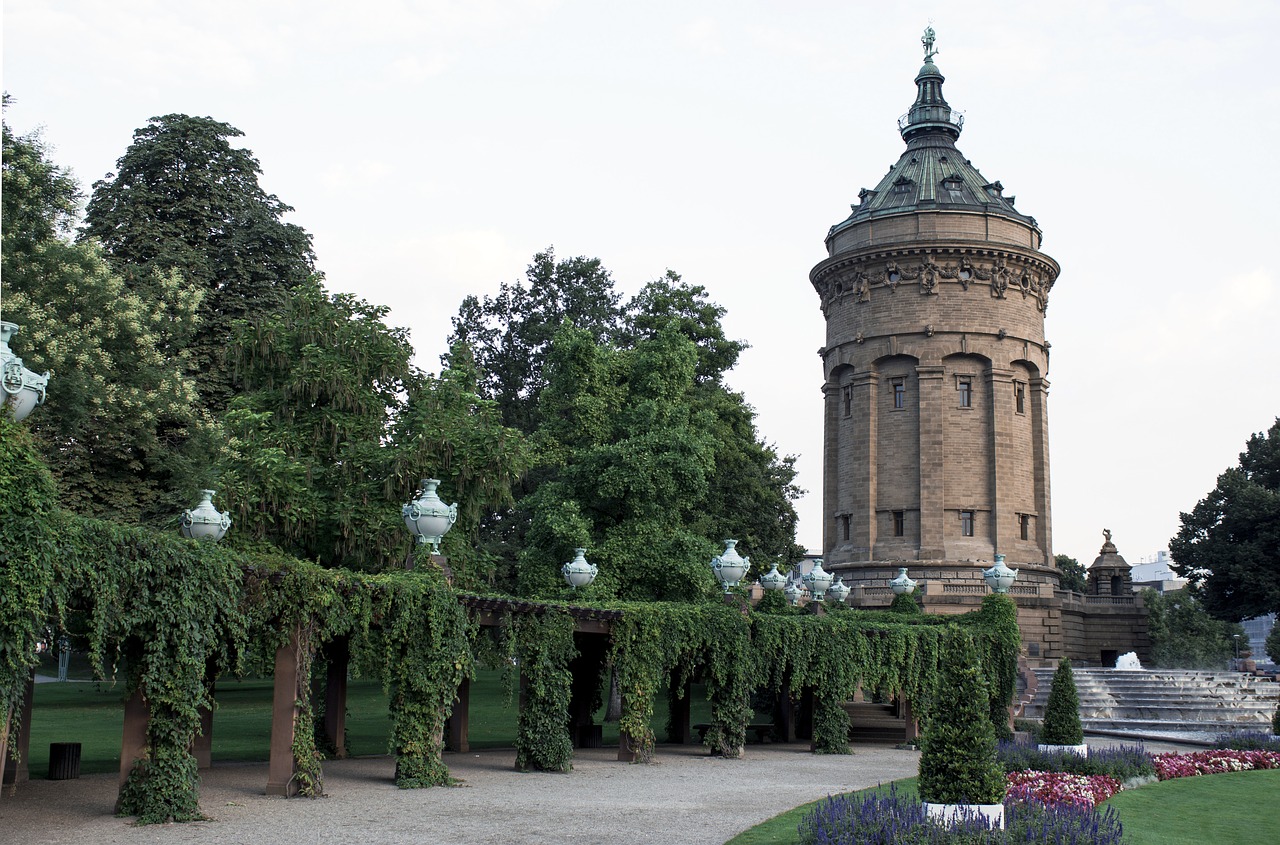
509	334
1184	636
633	454
182	198
121	428
334	428
750	489
1071	574
1229	545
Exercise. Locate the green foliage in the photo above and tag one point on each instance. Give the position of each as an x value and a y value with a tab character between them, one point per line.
30	525
1071	574
120	422
999	655
423	643
1228	546
543	649
182	198
597	387
1062	711
1183	635
958	764
906	603
1272	644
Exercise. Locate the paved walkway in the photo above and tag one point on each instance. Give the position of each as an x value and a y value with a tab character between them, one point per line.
683	797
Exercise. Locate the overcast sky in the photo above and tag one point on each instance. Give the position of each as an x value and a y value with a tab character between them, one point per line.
431	148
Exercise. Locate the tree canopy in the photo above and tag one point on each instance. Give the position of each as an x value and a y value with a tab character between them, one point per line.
1071	574
121	424
182	198
1184	636
1229	544
627	406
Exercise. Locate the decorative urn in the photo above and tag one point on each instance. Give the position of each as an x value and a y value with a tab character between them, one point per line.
204	522
839	591
818	580
792	592
902	585
427	516
730	566
577	572
773	579
23	389
999	577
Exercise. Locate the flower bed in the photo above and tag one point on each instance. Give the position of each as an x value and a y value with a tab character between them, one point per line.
1061	788
1169	766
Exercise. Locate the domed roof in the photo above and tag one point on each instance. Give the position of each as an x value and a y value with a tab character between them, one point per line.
932	174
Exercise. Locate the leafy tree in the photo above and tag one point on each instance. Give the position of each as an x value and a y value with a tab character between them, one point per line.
1273	644
334	429
749	491
1184	635
182	198
632	456
1229	545
121	428
509	335
1071	574
1062	710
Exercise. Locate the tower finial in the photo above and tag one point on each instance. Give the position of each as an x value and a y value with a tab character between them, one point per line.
927	41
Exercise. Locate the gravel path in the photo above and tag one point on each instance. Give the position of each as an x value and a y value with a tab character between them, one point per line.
683	797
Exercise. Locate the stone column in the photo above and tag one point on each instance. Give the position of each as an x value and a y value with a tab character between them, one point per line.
1039	390
337	658
133	746
284	718
861	484
458	726
933	488
1000	413
18	772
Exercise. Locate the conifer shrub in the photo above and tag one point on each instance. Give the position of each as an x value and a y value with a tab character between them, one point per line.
958	764
1062	712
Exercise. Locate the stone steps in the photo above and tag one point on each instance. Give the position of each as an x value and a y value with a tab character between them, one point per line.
1172	700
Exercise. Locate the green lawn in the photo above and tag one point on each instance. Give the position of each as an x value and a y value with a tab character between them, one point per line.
1237	808
92	714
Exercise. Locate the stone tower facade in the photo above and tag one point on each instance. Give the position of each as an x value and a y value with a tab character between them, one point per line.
934	291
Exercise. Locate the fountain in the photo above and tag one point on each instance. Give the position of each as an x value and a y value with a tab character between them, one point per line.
1128	662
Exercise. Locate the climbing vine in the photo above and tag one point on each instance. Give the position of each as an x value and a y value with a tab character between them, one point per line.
543	647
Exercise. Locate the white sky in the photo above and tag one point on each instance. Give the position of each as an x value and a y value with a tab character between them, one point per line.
432	147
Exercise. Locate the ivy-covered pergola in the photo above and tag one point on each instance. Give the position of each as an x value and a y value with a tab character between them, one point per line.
170	615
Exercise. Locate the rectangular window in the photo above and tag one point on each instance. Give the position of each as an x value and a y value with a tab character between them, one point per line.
1020	397
1024	525
966	523
899	524
899	394
965	386
847	396
845	520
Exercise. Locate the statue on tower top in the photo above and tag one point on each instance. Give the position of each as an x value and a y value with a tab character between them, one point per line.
927	41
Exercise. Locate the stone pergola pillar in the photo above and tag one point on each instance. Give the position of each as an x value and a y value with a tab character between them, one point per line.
18	772
284	718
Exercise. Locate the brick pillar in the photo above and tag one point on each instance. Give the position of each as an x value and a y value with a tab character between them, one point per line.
831	448
1039	390
459	723
19	772
133	745
338	656
284	716
861	485
1004	521
932	463
202	745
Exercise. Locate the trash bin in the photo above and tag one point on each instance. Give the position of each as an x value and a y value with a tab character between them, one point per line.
64	760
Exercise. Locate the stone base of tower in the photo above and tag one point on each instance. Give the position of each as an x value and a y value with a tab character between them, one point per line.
1087	629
